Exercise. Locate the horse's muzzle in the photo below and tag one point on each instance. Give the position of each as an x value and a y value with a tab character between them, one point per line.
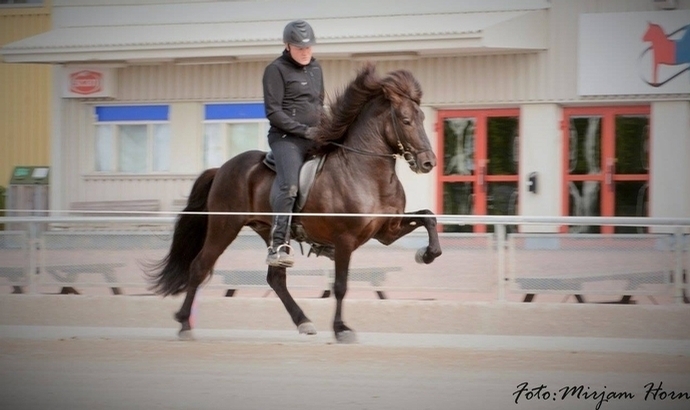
426	161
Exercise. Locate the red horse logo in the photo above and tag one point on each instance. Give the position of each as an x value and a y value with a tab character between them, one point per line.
666	51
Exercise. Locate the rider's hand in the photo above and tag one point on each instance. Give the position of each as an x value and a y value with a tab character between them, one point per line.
311	133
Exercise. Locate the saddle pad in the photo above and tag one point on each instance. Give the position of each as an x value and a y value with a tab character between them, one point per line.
307	174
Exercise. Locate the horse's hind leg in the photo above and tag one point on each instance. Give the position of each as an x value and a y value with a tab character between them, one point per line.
277	278
218	237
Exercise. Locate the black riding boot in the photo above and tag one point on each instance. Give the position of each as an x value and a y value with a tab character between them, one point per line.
279	251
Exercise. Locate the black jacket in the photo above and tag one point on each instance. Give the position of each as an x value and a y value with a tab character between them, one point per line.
293	95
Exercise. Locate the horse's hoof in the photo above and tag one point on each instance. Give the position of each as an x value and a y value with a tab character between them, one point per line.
186	335
346	337
307	328
419	256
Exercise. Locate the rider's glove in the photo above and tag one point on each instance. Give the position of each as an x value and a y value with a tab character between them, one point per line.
311	133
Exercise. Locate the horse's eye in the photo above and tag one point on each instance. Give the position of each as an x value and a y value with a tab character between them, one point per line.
407	121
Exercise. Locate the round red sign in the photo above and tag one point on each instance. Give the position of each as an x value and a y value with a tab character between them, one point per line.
86	82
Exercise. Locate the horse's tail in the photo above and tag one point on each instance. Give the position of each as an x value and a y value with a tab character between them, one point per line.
170	276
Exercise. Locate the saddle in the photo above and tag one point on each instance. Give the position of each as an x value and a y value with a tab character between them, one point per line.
307	175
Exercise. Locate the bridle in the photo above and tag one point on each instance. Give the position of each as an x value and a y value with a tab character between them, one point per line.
406	154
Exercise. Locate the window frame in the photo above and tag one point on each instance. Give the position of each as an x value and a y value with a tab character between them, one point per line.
115	116
229	114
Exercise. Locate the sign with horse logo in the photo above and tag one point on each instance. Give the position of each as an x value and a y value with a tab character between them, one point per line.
634	53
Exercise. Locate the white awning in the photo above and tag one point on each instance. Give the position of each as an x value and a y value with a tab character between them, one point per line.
375	36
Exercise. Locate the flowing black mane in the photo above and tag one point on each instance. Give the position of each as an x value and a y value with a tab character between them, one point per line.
365	88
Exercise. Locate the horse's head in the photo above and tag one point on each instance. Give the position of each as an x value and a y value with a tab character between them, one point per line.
653	33
405	130
394	101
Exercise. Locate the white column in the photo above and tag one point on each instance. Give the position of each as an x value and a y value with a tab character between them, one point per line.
541	147
187	137
56	195
669	173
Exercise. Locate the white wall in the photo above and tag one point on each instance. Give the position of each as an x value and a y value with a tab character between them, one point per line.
670	160
420	189
187	140
541	147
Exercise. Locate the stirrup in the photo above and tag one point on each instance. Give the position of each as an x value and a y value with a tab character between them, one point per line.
280	257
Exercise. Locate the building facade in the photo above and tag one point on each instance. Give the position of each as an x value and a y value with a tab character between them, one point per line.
25	96
533	107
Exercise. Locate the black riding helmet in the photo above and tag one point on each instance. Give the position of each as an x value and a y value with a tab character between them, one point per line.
299	33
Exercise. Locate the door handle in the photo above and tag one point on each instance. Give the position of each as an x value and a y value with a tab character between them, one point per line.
608	176
481	177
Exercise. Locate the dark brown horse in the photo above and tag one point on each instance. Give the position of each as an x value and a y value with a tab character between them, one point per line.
373	121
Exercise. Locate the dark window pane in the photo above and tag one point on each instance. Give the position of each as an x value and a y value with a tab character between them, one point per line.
502	199
458	146
631	200
458	199
632	145
585	145
502	145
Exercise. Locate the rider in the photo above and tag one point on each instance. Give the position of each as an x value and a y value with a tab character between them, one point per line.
293	97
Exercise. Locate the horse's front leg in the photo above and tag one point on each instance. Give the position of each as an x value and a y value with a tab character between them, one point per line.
343	334
399	227
276	278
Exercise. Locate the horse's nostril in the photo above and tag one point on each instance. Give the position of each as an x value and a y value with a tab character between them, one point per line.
427	166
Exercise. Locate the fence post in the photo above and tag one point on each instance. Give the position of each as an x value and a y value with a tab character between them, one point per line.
679	286
33	257
501	266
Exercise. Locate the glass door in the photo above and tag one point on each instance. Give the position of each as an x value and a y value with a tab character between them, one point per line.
479	165
606	158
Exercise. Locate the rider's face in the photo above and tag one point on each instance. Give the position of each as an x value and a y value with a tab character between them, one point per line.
300	54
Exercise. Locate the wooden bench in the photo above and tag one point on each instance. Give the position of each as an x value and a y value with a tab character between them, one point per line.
115	208
67	274
133	207
14	275
70	273
375	276
572	284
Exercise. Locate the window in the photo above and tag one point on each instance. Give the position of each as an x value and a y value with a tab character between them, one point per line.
132	139
230	129
21	2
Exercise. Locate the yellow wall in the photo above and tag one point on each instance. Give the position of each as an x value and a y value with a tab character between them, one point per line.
25	95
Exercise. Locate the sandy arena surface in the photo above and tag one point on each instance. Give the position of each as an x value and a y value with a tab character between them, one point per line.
104	373
79	352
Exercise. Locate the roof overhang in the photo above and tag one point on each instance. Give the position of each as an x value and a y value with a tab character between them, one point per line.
375	37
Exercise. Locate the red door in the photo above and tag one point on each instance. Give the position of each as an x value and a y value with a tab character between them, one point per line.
606	164
478	170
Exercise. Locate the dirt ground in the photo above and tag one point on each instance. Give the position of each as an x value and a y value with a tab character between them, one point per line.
306	373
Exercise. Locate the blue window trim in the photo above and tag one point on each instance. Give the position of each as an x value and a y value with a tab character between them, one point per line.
132	113
234	111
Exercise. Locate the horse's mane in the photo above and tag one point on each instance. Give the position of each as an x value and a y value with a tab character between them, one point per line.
366	87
